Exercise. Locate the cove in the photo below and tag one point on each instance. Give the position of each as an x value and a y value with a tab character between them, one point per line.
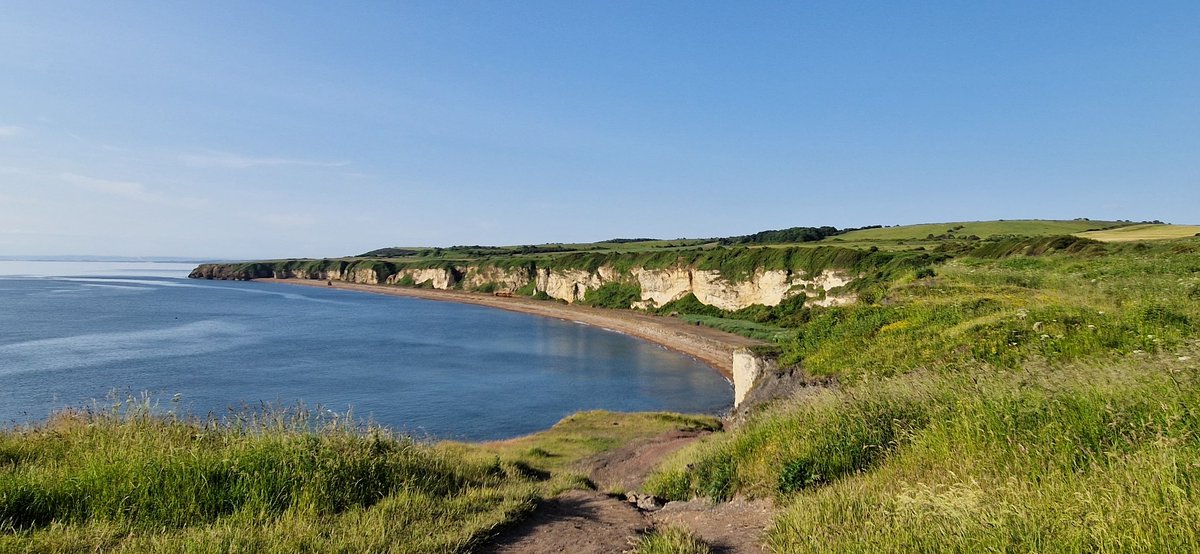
432	369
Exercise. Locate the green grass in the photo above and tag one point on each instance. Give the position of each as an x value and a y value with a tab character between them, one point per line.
130	481
133	482
671	540
1003	386
1086	458
760	331
1027	395
1004	312
559	449
614	295
982	229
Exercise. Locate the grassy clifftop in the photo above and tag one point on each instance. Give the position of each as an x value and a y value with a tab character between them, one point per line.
130	481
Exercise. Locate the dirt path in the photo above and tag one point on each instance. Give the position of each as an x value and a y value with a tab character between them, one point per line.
708	345
593	522
583	522
735	527
626	468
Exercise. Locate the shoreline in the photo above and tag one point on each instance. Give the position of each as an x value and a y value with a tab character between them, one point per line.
711	346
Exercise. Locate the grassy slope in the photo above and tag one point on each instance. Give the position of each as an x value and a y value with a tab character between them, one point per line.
1142	232
1044	403
558	449
129	482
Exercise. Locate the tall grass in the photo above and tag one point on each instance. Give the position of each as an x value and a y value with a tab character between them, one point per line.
1078	459
671	540
1005	312
132	481
1046	403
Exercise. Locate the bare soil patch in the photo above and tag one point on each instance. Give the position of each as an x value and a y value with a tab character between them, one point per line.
626	468
735	527
583	522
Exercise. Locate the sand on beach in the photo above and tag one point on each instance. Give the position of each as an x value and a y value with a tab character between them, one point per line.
706	344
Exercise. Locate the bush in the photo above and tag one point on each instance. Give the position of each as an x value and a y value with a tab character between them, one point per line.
614	295
689	304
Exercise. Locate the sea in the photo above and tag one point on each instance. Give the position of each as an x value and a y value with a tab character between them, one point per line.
92	335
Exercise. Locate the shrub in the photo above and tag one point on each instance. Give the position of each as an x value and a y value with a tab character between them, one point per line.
689	304
613	295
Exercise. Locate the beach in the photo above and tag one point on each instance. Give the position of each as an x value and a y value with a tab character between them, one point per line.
711	346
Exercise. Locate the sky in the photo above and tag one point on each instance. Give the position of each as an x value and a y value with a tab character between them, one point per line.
312	129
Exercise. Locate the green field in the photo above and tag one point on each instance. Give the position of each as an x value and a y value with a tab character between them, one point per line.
1142	232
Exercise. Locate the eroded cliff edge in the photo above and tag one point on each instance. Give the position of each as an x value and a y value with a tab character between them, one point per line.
729	281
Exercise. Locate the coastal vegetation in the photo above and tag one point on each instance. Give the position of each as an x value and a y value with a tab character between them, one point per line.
992	386
134	479
127	480
1024	395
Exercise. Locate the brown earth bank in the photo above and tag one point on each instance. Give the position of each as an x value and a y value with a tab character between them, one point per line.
708	345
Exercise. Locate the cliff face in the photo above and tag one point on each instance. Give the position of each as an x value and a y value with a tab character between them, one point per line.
658	286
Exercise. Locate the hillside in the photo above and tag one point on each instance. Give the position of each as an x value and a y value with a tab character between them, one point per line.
1018	400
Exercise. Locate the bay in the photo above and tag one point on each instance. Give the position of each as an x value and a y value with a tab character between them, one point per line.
88	334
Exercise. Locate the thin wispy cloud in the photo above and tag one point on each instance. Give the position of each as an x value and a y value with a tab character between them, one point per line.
289	220
10	170
236	161
11	130
126	189
129	190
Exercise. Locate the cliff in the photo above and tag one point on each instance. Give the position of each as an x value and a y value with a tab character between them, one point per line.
729	279
657	286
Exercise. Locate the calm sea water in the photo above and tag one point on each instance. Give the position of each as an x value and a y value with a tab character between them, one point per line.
71	333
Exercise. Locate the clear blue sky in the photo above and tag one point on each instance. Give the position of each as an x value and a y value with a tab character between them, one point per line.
264	129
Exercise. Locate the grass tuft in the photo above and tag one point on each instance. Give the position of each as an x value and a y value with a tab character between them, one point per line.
671	540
